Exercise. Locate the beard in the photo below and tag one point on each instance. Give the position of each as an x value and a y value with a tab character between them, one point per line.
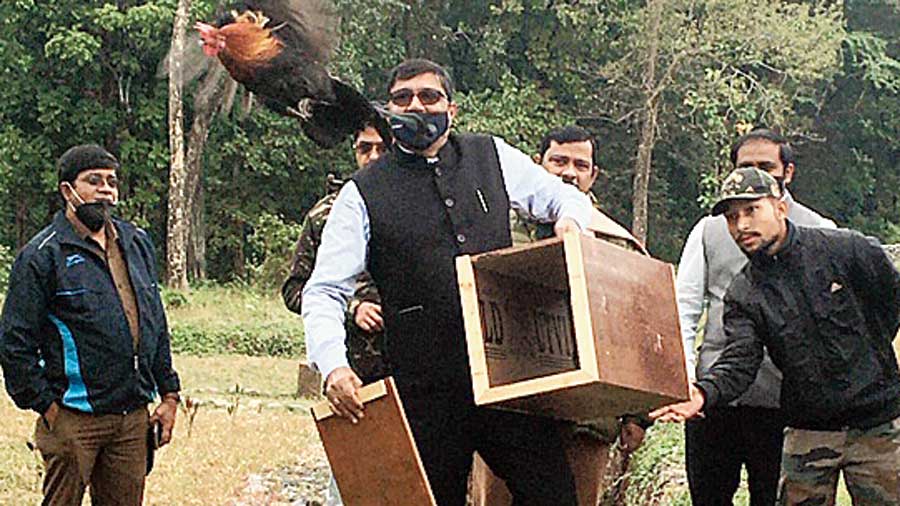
759	251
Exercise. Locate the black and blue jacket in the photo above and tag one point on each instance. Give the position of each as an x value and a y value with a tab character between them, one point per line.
64	335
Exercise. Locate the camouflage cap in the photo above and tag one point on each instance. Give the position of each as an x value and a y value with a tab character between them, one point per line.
746	183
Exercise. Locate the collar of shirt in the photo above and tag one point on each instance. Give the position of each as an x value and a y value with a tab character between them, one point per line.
408	154
85	233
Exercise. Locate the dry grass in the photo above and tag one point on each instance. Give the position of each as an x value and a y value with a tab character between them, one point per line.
213	307
209	466
273	377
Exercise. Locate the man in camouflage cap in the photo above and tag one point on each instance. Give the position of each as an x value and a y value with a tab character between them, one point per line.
826	305
364	321
365	336
748	433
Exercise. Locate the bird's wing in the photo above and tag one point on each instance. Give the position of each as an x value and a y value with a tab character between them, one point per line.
329	123
308	26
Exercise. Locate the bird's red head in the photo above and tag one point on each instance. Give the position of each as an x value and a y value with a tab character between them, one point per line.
213	39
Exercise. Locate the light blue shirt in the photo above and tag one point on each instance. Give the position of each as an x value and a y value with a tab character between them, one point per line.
343	252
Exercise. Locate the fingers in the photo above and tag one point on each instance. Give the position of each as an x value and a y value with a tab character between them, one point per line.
676	413
657	413
377	319
166	434
341	391
369	318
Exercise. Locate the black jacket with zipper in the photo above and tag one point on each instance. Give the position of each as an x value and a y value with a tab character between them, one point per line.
827	308
64	335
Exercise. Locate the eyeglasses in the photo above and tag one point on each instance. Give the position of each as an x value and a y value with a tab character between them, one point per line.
363	148
97	180
427	96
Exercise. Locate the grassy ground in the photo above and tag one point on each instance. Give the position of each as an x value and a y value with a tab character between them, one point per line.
657	476
266	430
223	307
248	421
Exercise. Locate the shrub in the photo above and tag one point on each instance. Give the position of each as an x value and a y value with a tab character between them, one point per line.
271	247
6	261
258	341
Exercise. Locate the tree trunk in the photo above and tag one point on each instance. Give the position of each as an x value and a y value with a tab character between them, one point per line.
21	223
208	99
238	263
644	162
176	231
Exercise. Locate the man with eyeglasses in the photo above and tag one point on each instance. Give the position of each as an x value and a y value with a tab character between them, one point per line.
749	431
84	341
436	195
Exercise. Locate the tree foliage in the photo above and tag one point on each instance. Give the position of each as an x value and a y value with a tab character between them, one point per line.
827	73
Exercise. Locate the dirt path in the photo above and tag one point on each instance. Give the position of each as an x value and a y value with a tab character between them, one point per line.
300	484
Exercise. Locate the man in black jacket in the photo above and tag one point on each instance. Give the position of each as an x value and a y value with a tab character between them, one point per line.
826	305
84	341
436	195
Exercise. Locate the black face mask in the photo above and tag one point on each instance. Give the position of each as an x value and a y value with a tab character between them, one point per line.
417	130
92	214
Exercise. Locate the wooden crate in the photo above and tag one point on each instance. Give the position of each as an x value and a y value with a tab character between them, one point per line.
573	328
375	462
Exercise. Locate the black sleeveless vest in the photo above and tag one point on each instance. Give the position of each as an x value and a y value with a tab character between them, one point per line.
422	216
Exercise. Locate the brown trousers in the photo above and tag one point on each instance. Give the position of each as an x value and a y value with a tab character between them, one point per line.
106	452
587	456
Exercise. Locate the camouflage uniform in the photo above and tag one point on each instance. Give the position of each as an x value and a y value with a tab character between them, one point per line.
525	230
868	457
363	348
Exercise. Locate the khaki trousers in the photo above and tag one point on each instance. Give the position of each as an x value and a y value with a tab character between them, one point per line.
106	452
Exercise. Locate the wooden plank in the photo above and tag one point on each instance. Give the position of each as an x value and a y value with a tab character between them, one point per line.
375	462
585	402
635	320
576	271
472	322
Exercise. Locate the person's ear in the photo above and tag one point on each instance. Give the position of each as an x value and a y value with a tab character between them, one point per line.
65	189
789	173
452	111
781	206
536	158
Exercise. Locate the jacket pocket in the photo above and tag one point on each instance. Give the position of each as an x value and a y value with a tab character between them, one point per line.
406	339
77	300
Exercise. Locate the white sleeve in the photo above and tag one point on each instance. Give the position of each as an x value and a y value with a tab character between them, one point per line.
690	292
340	259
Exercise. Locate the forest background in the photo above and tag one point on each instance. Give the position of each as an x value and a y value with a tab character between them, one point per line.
665	85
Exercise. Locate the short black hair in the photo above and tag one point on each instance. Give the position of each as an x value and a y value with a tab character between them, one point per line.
785	151
418	66
567	134
84	157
